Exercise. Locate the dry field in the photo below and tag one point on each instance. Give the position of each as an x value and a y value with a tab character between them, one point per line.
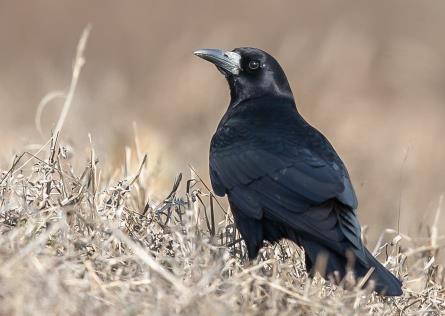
93	243
106	228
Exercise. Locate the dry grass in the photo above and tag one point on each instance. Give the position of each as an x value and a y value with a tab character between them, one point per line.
93	243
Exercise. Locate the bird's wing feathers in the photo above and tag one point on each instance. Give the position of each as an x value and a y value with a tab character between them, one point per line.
313	181
294	191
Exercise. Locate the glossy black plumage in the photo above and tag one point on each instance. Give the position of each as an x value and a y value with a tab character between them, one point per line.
282	177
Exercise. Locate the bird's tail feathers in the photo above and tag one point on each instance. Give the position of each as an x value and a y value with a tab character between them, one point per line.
385	282
334	266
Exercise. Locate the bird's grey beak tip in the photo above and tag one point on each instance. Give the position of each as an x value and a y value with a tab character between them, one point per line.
203	52
198	52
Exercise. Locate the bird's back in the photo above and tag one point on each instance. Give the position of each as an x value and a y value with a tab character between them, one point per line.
274	125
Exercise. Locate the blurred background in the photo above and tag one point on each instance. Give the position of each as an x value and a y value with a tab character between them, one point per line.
369	75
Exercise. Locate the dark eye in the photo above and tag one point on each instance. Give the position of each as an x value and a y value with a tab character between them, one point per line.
254	64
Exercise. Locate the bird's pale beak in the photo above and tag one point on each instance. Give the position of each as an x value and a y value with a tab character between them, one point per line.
229	62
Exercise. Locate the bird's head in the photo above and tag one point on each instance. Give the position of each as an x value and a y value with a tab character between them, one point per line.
250	72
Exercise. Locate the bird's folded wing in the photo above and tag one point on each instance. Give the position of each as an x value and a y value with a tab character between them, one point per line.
307	177
293	191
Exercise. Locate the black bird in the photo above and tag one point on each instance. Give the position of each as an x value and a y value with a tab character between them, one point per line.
282	177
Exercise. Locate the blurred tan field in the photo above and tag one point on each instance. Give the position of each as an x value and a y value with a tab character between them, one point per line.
369	75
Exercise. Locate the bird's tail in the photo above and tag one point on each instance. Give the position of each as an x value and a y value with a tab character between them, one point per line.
328	263
385	282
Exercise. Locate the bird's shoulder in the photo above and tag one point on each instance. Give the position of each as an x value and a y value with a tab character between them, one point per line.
272	125
255	122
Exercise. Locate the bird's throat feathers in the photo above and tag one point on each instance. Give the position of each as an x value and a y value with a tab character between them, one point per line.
244	89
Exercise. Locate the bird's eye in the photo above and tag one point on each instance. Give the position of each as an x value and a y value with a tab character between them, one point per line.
254	64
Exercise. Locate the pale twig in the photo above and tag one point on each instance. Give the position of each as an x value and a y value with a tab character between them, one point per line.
79	61
42	105
365	278
434	227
